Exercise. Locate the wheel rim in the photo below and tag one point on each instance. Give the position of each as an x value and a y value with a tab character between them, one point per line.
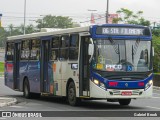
26	91
71	94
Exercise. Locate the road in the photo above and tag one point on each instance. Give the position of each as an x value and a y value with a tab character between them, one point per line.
56	104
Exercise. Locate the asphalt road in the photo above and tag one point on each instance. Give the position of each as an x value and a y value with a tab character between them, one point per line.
56	104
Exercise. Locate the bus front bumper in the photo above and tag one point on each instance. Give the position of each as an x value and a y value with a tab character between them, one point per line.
97	92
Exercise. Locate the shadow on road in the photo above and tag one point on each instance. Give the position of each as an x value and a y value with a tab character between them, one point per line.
85	104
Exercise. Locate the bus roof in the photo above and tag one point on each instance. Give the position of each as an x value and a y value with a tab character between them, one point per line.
40	34
69	30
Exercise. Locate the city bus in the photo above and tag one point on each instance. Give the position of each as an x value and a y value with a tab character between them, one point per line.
111	62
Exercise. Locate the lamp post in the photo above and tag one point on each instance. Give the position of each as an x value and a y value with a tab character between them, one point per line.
0	20
107	11
24	29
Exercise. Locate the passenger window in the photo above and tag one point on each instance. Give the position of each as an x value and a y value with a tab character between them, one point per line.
25	50
55	48
74	47
64	47
10	51
35	49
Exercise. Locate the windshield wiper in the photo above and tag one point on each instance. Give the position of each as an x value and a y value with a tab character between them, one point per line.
134	48
116	47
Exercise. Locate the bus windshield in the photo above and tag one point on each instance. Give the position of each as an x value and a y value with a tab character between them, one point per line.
122	55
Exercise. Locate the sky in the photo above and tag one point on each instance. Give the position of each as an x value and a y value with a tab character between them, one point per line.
78	10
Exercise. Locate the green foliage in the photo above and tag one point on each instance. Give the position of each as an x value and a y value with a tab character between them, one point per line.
1	67
156	45
2	36
50	21
129	17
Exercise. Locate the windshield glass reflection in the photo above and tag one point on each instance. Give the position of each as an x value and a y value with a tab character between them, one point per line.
122	55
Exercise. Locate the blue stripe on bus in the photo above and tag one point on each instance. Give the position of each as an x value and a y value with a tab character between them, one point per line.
132	84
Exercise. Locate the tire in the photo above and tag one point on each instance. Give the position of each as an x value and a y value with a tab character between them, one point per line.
124	101
26	89
71	96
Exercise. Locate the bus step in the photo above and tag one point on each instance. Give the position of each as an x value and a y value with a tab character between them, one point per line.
45	94
16	89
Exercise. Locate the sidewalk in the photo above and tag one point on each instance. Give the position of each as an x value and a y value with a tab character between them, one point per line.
6	101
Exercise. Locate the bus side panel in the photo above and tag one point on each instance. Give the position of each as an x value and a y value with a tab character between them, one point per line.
70	73
50	77
9	75
23	72
34	76
57	78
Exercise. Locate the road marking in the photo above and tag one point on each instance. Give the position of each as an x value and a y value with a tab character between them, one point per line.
156	93
14	106
156	90
2	118
156	97
153	107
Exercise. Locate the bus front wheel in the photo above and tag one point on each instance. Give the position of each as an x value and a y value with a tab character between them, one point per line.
72	99
26	91
124	101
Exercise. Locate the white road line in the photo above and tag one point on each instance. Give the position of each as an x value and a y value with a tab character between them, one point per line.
1	118
153	107
156	93
155	90
156	97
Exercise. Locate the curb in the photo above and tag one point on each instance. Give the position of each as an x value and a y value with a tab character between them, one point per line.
12	102
156	87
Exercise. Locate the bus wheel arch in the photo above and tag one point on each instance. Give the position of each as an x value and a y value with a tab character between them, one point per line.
71	93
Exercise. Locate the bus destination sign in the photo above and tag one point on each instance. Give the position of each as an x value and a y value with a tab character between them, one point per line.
120	31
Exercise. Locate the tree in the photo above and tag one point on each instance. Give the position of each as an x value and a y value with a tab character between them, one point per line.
156	45
31	29
50	21
129	17
2	37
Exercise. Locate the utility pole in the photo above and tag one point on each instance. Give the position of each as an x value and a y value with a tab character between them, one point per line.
0	20
24	29
107	11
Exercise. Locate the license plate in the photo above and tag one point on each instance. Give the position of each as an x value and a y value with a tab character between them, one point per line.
126	93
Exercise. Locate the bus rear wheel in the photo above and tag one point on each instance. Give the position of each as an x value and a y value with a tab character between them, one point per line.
26	90
124	101
72	99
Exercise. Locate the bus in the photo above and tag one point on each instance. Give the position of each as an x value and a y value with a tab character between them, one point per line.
112	62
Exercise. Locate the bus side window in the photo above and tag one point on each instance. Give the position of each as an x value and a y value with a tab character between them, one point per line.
35	49
10	49
55	48
64	47
25	50
74	47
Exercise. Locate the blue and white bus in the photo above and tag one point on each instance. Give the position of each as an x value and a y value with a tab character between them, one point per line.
110	61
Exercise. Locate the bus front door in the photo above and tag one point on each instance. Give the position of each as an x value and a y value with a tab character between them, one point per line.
44	66
84	66
16	61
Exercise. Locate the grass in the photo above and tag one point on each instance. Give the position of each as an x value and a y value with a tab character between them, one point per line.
1	66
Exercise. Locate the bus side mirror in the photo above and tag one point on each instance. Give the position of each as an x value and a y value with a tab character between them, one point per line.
153	51
91	49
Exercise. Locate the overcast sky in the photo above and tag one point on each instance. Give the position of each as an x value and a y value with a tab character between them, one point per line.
13	10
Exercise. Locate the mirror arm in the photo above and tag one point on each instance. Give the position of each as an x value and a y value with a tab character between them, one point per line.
93	50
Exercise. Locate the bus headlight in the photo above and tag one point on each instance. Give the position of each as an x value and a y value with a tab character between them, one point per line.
96	82
148	84
100	84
